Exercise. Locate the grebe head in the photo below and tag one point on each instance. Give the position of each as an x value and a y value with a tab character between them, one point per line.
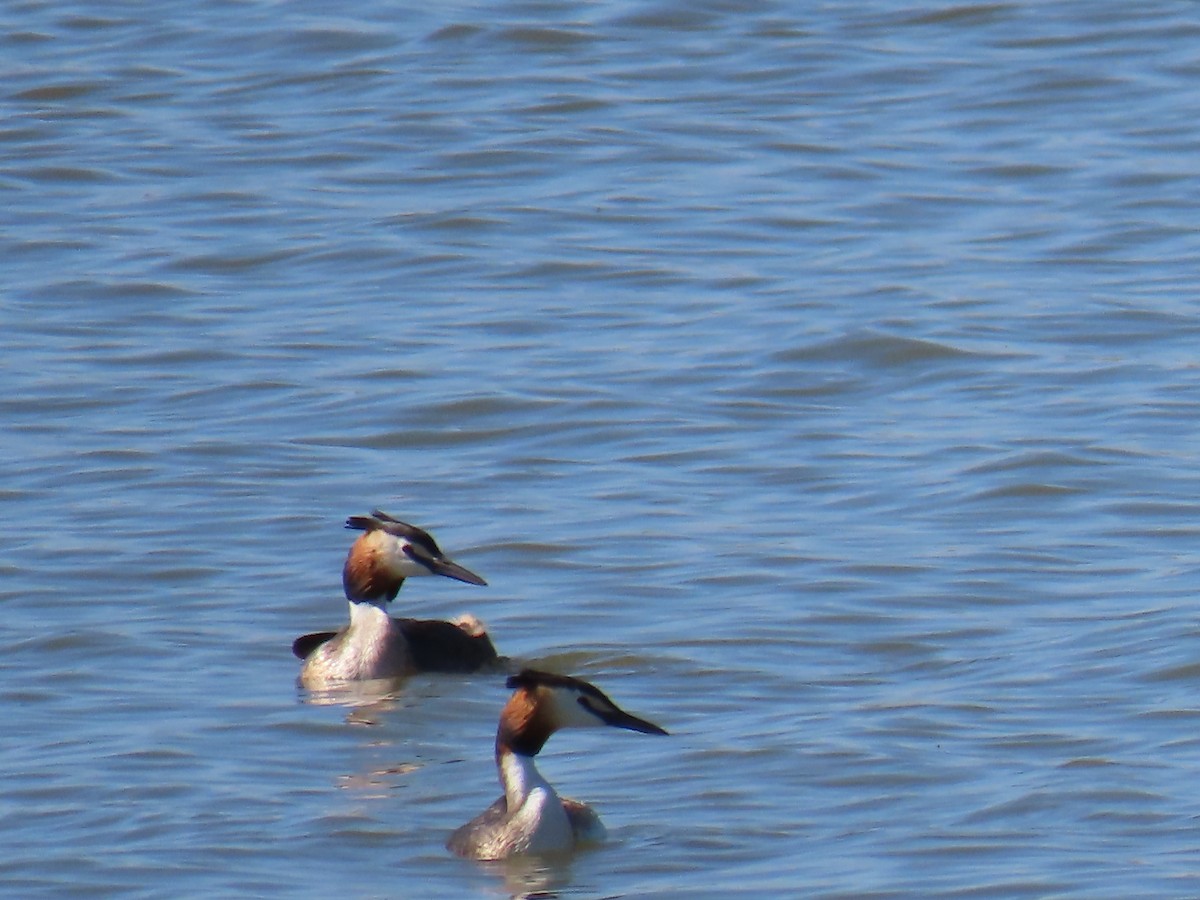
390	551
542	703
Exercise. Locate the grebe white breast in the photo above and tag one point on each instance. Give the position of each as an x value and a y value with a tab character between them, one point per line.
531	817
375	645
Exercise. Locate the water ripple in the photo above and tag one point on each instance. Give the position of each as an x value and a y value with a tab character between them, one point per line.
784	373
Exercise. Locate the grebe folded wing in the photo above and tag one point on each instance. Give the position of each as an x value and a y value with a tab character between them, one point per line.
304	645
438	646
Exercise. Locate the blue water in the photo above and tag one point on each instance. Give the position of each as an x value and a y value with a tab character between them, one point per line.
819	381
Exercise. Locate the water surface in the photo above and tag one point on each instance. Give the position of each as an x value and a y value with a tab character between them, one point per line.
820	382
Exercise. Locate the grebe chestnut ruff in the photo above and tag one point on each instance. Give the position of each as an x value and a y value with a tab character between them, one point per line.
531	817
375	645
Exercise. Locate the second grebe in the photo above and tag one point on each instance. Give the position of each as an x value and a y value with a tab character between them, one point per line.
375	645
531	817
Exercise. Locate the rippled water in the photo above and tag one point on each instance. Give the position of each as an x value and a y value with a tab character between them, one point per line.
819	380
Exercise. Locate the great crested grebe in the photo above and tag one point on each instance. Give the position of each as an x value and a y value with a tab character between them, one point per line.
531	817
375	645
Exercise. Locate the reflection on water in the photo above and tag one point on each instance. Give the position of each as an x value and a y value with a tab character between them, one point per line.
377	784
367	700
529	877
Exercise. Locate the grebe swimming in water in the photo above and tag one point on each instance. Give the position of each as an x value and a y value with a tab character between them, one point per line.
375	645
531	817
